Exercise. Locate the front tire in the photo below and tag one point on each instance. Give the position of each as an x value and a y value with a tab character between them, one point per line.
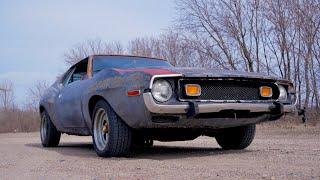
111	136
237	137
50	136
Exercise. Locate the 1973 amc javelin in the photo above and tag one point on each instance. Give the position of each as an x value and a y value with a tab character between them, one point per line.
128	101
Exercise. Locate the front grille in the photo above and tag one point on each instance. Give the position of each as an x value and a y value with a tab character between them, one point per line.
226	89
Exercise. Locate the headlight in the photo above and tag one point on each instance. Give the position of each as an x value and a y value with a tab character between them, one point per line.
283	95
161	90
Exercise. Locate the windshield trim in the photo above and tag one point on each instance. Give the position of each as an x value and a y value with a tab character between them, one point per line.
130	56
125	63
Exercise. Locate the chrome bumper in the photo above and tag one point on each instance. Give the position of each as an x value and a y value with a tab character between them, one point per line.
153	107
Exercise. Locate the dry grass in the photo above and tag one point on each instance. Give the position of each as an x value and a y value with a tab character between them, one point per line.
294	121
29	121
19	121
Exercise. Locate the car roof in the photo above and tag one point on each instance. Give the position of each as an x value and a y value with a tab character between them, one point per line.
125	55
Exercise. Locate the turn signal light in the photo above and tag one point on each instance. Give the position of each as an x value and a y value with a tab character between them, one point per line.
193	89
134	93
265	91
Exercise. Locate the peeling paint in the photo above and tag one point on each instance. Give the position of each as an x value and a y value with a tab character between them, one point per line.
113	84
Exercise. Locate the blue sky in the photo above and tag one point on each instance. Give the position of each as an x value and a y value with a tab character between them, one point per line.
35	34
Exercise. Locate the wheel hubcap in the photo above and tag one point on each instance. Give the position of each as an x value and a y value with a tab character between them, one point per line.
101	129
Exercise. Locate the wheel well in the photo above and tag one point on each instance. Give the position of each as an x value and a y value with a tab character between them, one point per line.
92	102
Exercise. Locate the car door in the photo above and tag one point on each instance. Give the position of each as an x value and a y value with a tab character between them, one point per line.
69	109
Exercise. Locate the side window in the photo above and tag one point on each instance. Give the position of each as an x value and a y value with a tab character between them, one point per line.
66	77
79	72
76	74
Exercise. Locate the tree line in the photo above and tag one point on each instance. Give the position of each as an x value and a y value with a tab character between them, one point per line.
275	37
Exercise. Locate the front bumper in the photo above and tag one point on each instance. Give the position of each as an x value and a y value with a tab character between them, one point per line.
154	107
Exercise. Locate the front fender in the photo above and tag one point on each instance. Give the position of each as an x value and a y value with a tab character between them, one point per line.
113	87
47	101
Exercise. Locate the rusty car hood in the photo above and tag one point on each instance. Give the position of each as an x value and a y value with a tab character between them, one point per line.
199	72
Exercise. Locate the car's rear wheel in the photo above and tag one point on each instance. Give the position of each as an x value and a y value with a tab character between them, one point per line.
237	137
111	136
50	136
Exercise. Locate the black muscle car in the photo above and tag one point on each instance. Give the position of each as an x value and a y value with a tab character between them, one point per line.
125	102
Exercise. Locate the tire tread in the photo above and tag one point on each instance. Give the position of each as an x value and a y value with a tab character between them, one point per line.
53	135
236	138
119	142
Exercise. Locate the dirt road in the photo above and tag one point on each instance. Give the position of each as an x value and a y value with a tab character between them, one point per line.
274	154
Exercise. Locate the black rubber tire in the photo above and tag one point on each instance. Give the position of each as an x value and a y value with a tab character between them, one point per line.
120	135
237	137
52	136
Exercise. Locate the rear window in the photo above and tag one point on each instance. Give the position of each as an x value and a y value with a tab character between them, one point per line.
101	62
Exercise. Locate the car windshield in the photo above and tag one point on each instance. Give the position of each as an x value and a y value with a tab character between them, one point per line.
124	62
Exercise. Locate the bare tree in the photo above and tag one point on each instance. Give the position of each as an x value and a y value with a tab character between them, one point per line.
144	47
34	95
308	12
176	49
202	21
7	95
279	16
272	36
226	31
89	47
169	45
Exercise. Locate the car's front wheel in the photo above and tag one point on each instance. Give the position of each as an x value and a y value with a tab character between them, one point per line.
111	136
237	137
50	136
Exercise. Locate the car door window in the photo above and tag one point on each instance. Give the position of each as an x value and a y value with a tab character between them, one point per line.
76	76
79	72
66	77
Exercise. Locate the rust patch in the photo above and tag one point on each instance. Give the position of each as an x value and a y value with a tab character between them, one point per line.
89	68
146	70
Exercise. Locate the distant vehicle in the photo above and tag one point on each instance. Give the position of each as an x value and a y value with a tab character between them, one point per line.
125	102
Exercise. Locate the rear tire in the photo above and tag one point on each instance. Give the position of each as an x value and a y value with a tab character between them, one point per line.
50	136
111	136
237	137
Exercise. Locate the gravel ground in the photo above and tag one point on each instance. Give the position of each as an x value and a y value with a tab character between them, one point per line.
274	154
